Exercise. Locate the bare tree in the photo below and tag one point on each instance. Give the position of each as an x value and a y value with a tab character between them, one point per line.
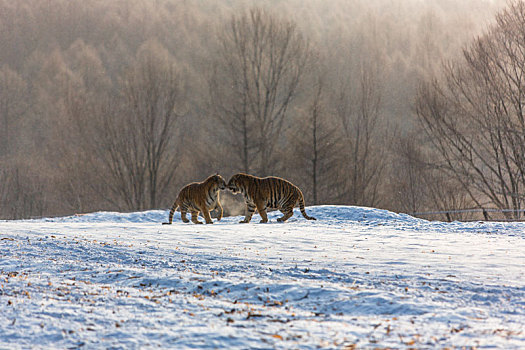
13	105
359	111
418	183
136	138
257	72
22	191
230	107
317	149
475	115
410	167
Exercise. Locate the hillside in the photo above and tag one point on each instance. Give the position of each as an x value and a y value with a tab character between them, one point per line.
356	276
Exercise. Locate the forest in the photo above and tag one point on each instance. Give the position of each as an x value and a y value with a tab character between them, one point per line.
406	105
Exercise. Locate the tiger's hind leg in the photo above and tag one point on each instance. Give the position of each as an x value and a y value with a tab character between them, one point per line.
262	213
195	217
183	213
288	212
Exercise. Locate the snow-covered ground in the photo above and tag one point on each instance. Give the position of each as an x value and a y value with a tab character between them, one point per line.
355	278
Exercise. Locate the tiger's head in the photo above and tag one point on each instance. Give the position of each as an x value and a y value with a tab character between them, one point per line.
218	181
235	183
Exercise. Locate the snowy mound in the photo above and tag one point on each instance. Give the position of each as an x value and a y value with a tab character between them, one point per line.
110	216
332	214
340	213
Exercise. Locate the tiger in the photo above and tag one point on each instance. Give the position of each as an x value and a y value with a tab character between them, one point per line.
267	192
199	197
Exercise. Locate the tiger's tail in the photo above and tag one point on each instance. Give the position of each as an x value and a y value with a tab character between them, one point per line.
301	207
172	211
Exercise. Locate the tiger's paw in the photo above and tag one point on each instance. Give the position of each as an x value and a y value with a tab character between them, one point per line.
263	221
166	223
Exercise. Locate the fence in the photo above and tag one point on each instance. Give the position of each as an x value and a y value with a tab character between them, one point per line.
486	214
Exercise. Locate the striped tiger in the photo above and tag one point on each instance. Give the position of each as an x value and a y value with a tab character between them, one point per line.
199	197
267	192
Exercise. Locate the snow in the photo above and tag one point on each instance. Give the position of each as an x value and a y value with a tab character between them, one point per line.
357	276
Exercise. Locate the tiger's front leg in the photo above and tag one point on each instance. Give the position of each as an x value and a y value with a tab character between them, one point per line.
206	213
219	209
250	209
